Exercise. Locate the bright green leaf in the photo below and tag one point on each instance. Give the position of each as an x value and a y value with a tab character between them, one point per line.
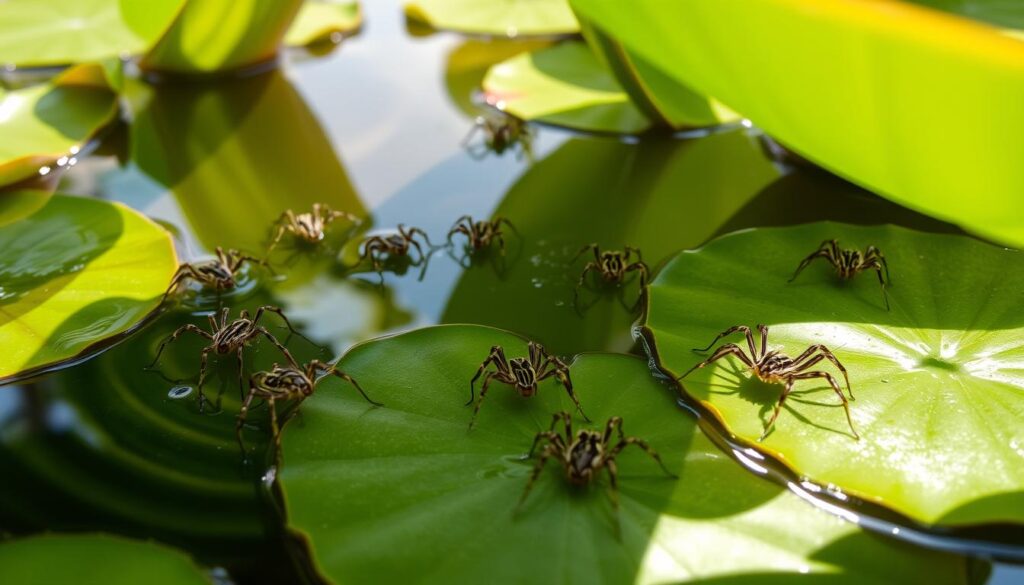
318	21
940	398
94	559
914	104
73	274
43	123
510	18
405	493
564	85
469	62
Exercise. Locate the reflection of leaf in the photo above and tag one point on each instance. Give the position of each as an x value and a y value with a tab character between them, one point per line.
363	483
939	395
88	559
236	153
74	273
500	18
875	118
43	123
658	195
180	35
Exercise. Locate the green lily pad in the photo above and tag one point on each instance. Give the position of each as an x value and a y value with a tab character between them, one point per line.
404	493
319	21
89	559
74	273
563	85
50	122
469	62
939	397
511	18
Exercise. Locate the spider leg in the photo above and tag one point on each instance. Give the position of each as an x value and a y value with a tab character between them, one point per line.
730	331
763	331
243	414
561	371
546	454
497	221
497	356
458	228
336	372
835	387
778	408
877	254
584	249
284	350
881	283
203	356
624	442
721	352
417	230
827	353
576	291
332	215
275	429
551	436
241	368
631	250
825	250
642	269
483	393
173	336
184	271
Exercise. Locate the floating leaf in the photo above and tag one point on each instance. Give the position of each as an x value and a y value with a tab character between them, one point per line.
368	485
468	63
74	273
564	85
512	18
319	21
43	123
937	379
88	559
871	113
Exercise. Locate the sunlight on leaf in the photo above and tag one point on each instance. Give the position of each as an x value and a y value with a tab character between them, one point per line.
510	18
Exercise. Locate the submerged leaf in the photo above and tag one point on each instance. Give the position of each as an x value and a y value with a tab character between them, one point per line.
404	493
50	122
94	559
512	18
939	396
74	273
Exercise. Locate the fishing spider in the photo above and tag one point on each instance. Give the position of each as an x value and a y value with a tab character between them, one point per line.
481	233
308	227
773	367
392	245
217	273
584	455
229	337
500	134
850	262
293	383
523	374
612	265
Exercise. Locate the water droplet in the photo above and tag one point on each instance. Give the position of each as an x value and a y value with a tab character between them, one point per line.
179	392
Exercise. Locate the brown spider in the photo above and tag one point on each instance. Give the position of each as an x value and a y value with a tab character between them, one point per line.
523	374
229	337
290	383
585	454
392	245
500	133
773	367
612	265
480	234
218	273
850	262
308	227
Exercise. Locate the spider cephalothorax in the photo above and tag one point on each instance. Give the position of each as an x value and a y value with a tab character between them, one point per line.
500	133
292	383
308	227
774	367
217	273
229	337
377	248
584	454
522	373
612	265
480	234
850	262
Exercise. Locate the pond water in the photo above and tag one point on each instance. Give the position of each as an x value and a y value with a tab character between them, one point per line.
375	127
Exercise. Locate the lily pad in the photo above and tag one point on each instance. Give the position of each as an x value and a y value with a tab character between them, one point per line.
404	493
563	85
937	379
511	18
50	122
469	62
74	273
319	21
88	559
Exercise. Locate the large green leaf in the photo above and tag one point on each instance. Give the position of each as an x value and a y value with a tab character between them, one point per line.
512	18
937	379
564	85
187	36
51	122
872	113
74	273
94	559
404	493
